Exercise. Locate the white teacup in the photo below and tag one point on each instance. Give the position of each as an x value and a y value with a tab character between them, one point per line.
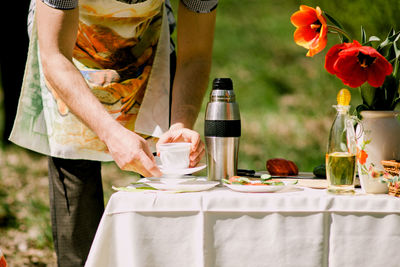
175	155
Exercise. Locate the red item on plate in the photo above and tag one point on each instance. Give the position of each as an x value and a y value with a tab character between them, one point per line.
278	166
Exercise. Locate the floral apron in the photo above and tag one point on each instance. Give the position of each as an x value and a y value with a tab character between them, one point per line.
122	51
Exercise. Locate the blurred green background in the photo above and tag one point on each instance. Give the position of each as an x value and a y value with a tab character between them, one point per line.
285	100
285	97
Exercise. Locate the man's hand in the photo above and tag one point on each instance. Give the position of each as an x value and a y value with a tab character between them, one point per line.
180	134
131	153
194	54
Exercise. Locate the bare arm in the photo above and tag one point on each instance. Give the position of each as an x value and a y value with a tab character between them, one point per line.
57	31
194	54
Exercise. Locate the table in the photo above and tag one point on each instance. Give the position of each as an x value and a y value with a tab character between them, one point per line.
220	227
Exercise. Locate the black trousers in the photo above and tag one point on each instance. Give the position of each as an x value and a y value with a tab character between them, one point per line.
76	207
77	204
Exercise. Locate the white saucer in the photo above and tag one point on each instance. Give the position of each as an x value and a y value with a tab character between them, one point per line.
169	179
260	188
167	171
189	186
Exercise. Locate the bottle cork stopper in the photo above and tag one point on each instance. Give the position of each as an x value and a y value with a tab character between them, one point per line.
343	97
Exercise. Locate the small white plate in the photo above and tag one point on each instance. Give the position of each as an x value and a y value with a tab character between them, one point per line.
169	179
167	171
190	186
259	188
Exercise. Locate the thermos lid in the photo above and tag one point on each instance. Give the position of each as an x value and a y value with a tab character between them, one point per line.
222	84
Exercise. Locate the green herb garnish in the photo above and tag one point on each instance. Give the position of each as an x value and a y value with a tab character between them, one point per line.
225	181
265	177
242	180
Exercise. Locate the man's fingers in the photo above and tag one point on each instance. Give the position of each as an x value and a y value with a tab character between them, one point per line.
196	159
142	172
145	165
168	137
197	148
194	138
149	154
145	172
149	166
198	152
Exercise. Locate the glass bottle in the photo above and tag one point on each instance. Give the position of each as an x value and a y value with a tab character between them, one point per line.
341	152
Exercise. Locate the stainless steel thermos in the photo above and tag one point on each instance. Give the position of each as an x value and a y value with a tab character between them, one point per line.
222	130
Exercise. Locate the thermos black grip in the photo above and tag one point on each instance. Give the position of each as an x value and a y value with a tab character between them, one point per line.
222	128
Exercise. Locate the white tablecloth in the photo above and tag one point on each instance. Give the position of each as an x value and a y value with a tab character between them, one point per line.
220	227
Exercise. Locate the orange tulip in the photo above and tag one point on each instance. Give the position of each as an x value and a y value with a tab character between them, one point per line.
312	29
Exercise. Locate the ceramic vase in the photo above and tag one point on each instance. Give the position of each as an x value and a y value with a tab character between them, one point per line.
378	139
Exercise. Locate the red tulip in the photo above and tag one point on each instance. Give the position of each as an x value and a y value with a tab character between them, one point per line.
311	32
355	64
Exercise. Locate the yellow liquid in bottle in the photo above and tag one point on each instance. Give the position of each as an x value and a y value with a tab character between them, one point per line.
340	172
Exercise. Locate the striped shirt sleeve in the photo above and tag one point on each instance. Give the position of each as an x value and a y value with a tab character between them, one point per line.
200	6
61	4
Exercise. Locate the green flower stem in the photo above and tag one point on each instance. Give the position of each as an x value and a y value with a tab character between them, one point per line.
335	29
368	95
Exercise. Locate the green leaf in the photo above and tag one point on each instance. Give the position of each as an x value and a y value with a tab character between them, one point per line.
397	35
225	181
342	37
363	35
393	36
374	39
368	94
396	50
386	42
360	108
335	22
396	102
396	67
